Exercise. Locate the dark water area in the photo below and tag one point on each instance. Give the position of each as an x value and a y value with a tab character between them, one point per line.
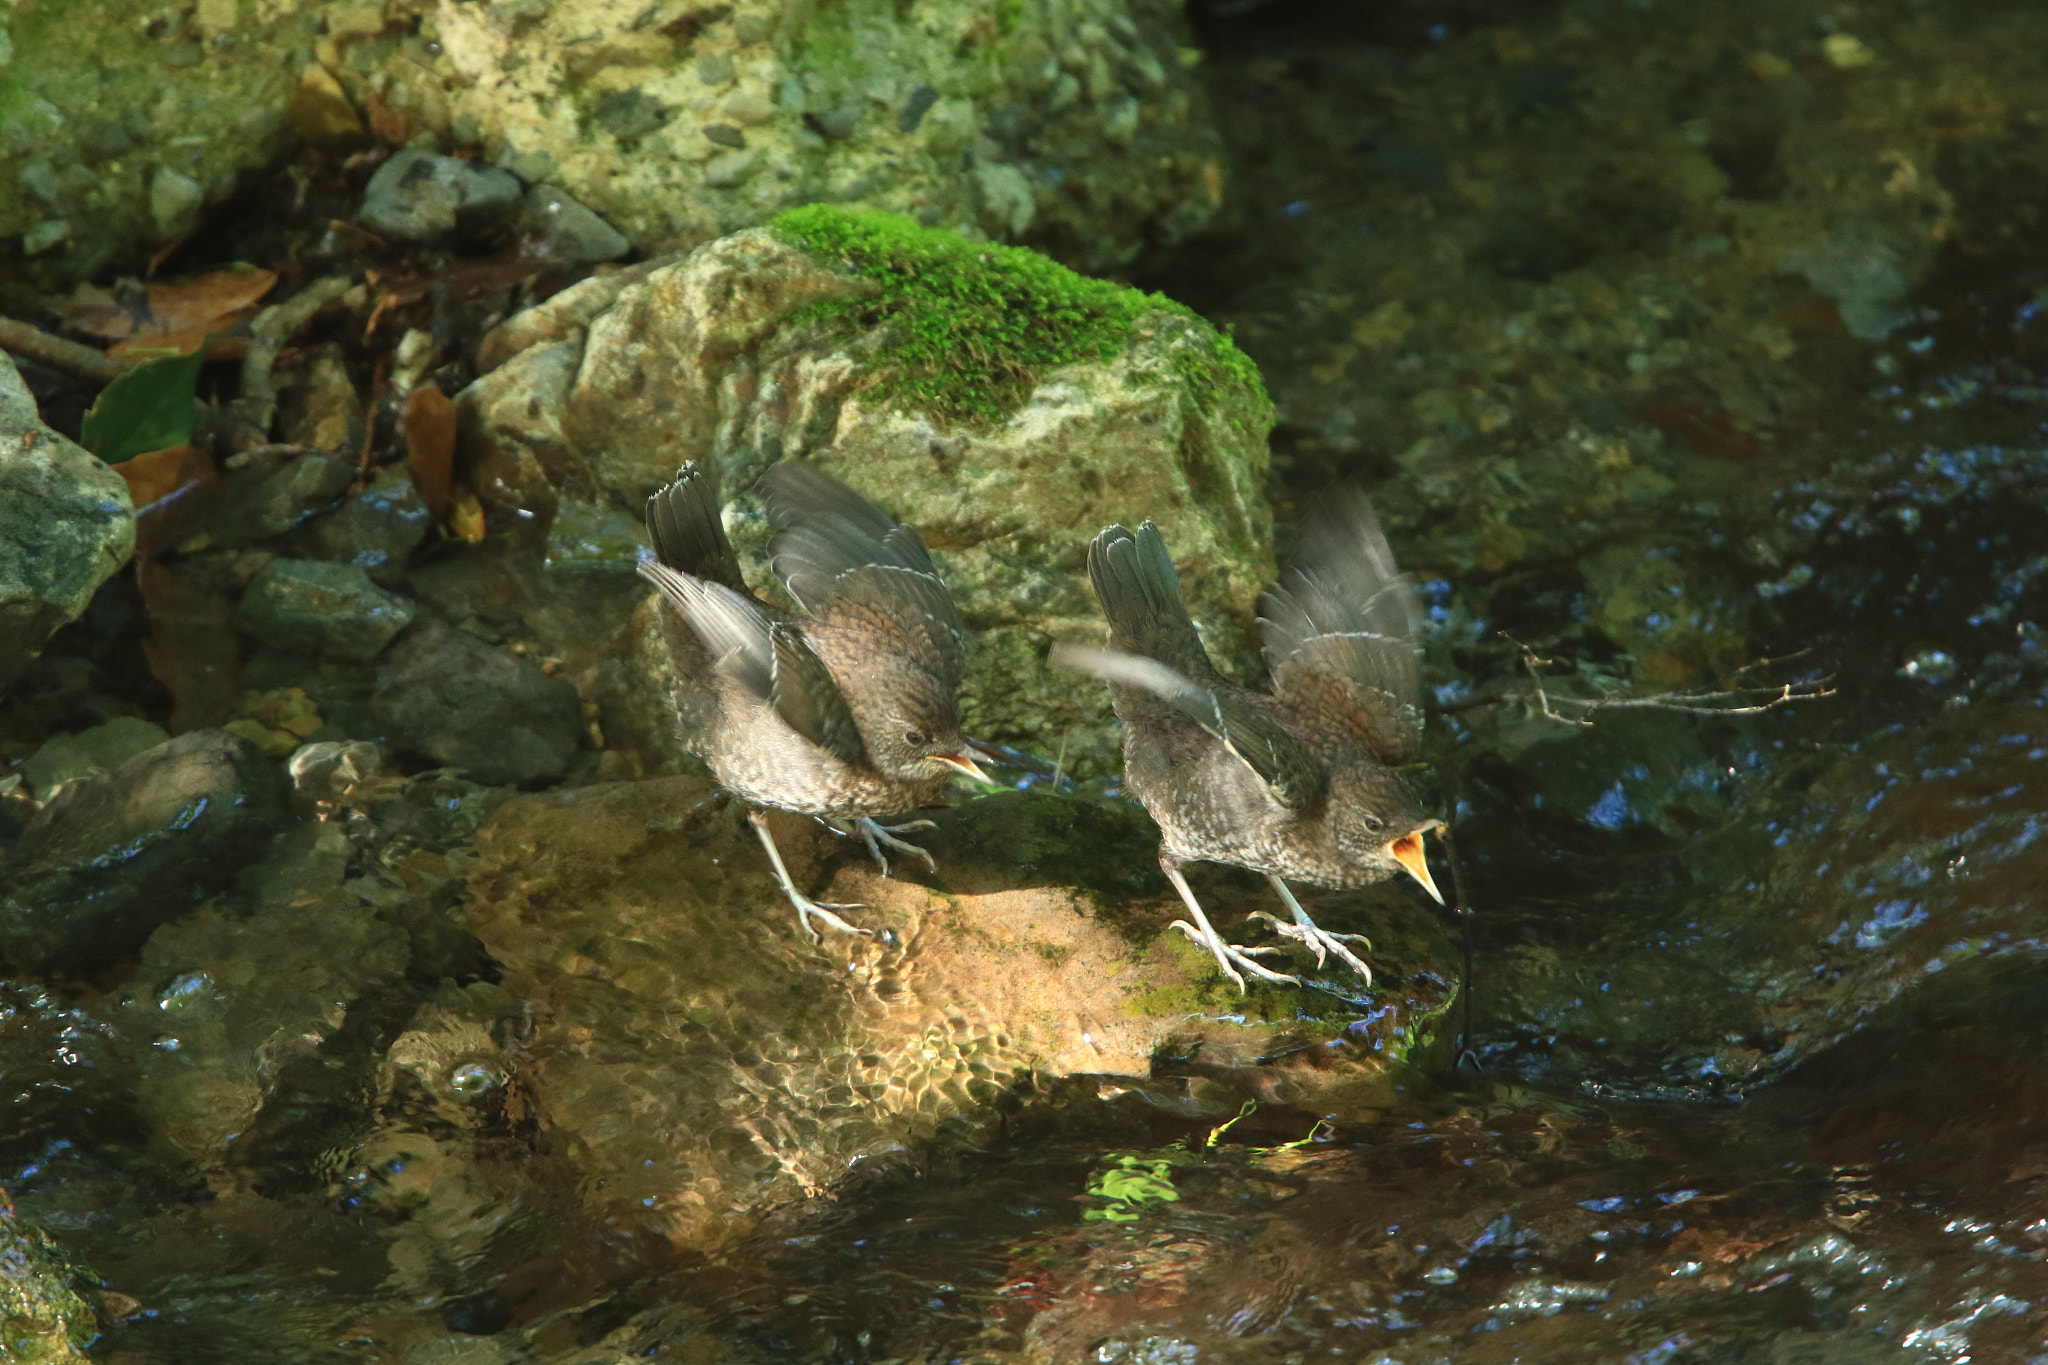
1697	358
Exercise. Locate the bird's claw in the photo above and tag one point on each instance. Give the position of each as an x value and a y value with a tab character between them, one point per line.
1320	941
1228	953
808	910
875	835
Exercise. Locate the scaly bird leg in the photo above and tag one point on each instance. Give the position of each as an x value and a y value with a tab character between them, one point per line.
806	908
874	836
1204	933
1306	930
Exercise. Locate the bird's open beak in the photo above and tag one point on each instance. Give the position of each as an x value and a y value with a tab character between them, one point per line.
965	766
1407	851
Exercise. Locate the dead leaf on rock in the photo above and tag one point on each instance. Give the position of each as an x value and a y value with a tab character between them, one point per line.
430	446
183	316
155	475
466	517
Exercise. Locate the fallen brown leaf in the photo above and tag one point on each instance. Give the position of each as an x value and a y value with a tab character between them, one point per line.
430	446
154	476
466	517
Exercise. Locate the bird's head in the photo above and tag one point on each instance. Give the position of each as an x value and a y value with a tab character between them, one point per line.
1378	823
910	722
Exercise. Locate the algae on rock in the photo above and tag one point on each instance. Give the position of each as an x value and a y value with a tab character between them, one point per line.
1003	406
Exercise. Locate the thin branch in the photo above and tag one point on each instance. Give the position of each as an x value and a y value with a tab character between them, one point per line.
1722	701
33	343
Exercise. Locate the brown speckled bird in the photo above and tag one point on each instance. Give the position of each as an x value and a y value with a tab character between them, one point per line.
845	712
1301	782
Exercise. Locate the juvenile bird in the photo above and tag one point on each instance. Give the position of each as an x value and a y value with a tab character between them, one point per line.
1301	782
845	712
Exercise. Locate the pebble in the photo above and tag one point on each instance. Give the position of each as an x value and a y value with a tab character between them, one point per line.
174	201
922	97
420	196
568	229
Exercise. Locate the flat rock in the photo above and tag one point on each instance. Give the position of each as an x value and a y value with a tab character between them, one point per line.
420	196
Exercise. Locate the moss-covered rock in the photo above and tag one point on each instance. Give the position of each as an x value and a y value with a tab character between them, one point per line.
43	1318
1004	406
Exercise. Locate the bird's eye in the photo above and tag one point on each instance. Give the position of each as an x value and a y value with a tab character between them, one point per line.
914	737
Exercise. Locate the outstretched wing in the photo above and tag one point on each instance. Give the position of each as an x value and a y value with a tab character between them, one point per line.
1281	761
1340	631
834	547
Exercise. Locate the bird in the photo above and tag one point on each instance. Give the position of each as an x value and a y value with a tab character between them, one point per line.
844	710
1301	781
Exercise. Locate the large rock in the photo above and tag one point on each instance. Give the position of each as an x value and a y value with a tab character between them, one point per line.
66	524
320	607
1006	432
43	1318
699	1060
1079	124
103	865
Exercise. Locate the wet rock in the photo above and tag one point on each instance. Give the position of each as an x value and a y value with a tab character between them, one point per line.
640	923
420	196
99	750
101	867
43	1318
448	696
66	525
375	530
555	226
271	494
323	608
1144	412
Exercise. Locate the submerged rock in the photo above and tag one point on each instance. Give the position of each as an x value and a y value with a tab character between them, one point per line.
98	750
102	866
1003	406
376	530
66	525
640	927
497	718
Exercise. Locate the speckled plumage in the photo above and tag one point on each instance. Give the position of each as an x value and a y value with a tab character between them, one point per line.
1302	782
844	711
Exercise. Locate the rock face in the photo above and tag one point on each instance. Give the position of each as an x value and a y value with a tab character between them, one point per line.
111	859
1079	122
1006	433
66	525
639	924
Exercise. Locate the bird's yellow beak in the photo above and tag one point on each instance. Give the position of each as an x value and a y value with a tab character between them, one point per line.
1407	851
965	766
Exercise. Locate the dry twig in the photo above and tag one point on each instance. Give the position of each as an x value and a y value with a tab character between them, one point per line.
1726	700
33	343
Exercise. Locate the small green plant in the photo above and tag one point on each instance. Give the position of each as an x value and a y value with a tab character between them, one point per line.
1132	1185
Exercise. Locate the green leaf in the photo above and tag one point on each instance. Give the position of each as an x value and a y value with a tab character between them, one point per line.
148	408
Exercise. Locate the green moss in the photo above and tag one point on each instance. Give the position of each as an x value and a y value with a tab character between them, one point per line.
972	327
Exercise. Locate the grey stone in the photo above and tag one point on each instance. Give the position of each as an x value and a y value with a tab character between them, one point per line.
374	530
499	719
836	123
174	201
101	749
714	68
322	608
567	228
725	135
66	525
264	500
45	236
728	171
110	859
920	100
420	196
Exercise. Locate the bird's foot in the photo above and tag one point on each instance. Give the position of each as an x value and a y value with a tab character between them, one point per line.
875	835
1319	940
1231	953
808	910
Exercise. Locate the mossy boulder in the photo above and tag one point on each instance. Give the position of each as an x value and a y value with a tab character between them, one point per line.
43	1318
1004	406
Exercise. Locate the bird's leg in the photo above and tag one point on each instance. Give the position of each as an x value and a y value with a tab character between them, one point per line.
1204	933
1307	931
806	908
875	835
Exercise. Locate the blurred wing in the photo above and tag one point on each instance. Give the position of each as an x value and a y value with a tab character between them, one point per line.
1280	760
809	701
732	626
1340	630
834	546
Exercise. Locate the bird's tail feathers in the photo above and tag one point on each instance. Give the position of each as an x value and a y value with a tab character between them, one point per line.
684	525
1140	594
